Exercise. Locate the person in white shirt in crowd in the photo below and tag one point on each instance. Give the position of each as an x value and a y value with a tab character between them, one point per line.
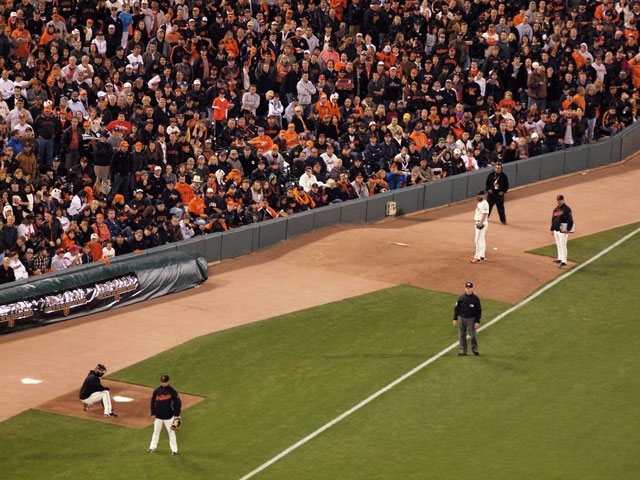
470	161
329	158
275	106
6	85
78	203
19	270
108	250
307	179
73	257
57	262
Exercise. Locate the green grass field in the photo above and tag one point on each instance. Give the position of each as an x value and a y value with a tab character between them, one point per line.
553	394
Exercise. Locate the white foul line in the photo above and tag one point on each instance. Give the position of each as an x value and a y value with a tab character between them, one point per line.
367	400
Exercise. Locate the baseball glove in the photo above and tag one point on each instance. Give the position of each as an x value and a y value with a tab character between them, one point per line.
177	421
479	227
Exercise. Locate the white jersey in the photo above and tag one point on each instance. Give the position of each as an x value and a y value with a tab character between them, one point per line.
482	208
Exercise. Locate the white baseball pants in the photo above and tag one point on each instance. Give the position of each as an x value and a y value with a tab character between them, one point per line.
561	245
103	397
481	245
157	428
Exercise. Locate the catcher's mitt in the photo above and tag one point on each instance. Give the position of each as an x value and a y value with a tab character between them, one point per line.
177	421
480	227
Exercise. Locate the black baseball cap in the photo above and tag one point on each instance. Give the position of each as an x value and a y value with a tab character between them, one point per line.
468	285
164	378
101	367
560	197
480	192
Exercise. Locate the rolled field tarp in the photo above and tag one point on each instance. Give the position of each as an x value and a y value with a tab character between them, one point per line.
77	292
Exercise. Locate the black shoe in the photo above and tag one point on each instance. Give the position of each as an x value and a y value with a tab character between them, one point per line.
173	454
563	265
85	407
557	261
151	450
477	354
462	354
504	223
110	415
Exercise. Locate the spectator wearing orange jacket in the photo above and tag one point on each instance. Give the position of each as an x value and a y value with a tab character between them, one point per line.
95	247
197	208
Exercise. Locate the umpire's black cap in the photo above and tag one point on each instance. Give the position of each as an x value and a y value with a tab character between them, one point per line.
164	378
468	285
101	367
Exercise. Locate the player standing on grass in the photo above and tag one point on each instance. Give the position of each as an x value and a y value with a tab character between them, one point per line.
165	406
561	226
469	310
481	219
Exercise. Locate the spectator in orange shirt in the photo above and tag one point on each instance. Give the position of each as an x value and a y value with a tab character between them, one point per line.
185	191
95	247
197	208
262	141
418	136
23	39
291	136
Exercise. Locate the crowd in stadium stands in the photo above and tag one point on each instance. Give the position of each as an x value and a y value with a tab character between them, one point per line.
131	124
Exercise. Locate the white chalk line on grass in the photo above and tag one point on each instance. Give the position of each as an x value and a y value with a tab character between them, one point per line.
415	370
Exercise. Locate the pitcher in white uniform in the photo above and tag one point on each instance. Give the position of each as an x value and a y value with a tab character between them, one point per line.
481	217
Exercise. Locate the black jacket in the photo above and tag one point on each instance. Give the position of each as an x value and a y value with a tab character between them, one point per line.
91	385
468	306
102	153
165	403
498	182
562	215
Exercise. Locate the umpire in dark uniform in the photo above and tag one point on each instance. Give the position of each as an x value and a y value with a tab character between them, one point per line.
469	310
497	185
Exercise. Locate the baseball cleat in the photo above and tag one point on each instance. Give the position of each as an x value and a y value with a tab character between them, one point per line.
173	454
504	223
151	450
85	407
563	265
477	354
557	261
110	415
475	260
462	354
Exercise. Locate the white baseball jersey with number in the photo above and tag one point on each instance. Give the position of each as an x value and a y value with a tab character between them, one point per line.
482	208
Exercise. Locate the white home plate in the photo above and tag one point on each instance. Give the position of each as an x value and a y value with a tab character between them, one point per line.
30	381
118	398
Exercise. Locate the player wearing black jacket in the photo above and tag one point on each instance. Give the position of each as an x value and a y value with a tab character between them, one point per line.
165	405
561	226
496	186
92	391
469	309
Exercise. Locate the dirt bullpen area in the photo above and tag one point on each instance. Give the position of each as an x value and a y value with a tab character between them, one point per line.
130	402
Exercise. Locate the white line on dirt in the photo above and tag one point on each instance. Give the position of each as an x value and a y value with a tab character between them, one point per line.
415	370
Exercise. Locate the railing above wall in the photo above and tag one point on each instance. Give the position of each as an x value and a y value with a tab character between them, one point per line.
255	237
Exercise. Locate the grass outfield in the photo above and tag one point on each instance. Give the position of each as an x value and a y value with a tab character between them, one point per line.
553	395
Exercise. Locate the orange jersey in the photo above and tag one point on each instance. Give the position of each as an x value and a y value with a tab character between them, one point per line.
186	192
220	108
196	206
